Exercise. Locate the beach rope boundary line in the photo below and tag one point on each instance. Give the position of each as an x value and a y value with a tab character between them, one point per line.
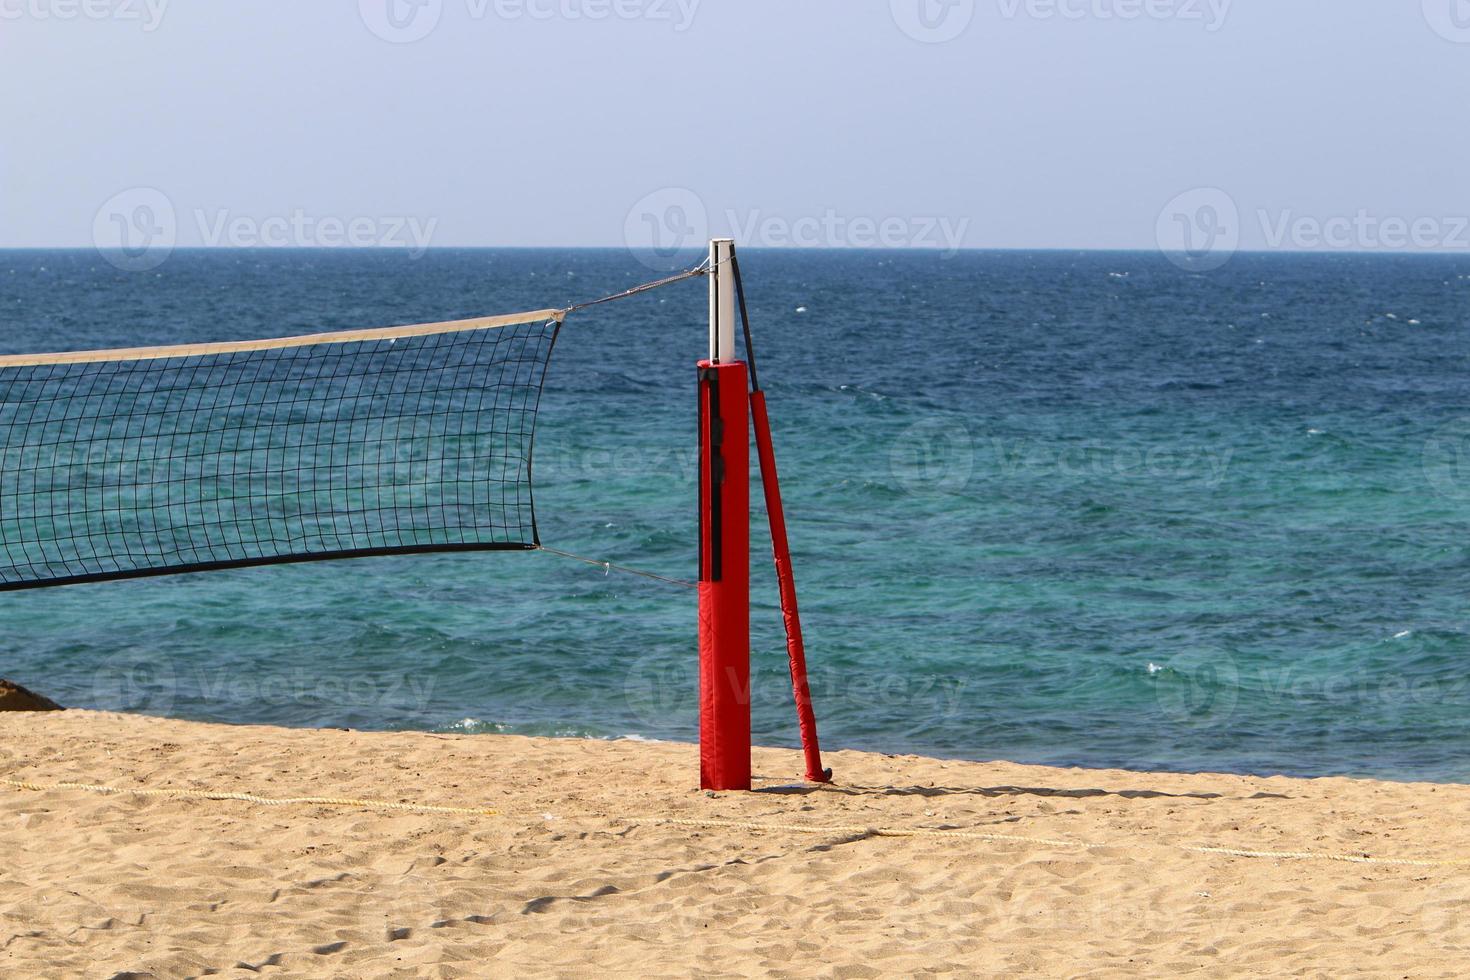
751	825
203	794
856	829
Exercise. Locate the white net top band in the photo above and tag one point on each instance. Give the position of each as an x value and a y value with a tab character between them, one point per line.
306	340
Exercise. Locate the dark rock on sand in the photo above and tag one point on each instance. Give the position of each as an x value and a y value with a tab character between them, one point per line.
13	697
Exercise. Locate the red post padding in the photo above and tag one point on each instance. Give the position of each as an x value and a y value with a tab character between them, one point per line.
806	719
724	577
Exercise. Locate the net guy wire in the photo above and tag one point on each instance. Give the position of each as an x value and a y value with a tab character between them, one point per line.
607	566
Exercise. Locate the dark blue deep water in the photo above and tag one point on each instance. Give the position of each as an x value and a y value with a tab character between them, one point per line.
1065	508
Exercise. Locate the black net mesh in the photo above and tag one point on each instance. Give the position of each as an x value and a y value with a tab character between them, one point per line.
122	468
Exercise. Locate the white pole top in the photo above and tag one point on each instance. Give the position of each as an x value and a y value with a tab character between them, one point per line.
721	300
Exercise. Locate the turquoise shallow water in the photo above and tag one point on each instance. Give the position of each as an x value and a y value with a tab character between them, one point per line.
1065	508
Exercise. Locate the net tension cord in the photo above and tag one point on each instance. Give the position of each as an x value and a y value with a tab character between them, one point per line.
609	567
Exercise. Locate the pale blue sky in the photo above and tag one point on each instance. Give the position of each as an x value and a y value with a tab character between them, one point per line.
1043	123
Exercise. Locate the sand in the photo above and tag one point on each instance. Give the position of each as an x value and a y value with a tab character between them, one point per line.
580	873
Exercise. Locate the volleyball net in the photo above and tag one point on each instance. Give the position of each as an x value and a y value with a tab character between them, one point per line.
149	461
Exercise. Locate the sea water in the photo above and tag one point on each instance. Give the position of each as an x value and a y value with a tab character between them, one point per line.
1070	508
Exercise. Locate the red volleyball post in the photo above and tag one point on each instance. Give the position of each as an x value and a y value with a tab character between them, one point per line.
724	543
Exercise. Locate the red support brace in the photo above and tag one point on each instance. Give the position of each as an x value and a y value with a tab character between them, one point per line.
795	648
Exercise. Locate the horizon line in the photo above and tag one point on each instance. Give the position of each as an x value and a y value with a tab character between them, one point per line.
1086	249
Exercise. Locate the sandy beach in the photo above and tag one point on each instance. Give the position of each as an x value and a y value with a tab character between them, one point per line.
600	858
